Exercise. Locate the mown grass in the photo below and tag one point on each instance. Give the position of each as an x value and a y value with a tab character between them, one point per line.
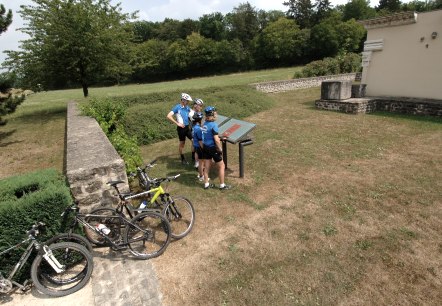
333	209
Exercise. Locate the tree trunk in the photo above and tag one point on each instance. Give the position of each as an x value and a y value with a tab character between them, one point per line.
85	89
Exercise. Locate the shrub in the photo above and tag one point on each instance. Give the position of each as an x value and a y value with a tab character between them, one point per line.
109	114
347	63
24	200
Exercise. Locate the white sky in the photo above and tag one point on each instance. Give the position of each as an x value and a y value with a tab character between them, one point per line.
150	11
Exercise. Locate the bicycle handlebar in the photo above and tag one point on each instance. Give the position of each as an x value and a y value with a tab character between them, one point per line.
73	207
36	228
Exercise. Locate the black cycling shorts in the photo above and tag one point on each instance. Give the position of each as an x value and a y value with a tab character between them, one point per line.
212	152
199	152
184	132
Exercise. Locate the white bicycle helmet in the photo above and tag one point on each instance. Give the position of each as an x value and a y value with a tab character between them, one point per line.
199	102
186	97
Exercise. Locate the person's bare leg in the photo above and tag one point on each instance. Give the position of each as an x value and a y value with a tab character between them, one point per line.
221	172
181	147
201	167
207	163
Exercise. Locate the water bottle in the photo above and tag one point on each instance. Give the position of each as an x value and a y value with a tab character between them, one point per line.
143	205
103	228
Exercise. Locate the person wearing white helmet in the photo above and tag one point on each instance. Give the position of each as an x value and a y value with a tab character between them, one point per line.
181	112
197	108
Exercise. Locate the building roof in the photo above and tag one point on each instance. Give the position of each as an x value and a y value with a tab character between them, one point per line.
390	20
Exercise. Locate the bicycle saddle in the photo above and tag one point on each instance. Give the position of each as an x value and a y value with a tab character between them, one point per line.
115	183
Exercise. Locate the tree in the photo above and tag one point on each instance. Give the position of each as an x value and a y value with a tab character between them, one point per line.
323	10
72	41
333	36
243	23
144	30
302	11
389	5
5	20
8	102
358	9
213	26
282	43
266	17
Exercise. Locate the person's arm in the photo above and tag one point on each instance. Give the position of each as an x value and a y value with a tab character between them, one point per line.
171	119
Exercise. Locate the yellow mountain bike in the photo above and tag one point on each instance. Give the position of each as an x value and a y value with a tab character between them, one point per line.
178	210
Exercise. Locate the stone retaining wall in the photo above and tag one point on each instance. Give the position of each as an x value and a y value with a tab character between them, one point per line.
280	86
91	161
401	105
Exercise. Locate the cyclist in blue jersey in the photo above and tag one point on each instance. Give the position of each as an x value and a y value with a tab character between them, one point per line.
212	148
198	142
181	112
197	108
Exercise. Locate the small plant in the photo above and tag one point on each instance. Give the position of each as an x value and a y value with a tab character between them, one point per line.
363	244
329	230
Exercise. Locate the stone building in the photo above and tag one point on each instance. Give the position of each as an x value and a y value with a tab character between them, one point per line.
403	55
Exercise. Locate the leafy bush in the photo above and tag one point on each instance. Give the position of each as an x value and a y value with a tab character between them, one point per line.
24	200
347	63
109	115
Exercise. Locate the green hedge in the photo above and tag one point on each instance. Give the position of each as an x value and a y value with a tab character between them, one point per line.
347	63
35	197
145	117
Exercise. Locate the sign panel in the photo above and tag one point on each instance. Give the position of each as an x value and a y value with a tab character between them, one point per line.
220	119
235	130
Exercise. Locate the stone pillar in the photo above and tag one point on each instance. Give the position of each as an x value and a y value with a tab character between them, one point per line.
91	161
335	90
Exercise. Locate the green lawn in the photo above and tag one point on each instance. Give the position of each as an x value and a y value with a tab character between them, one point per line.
334	208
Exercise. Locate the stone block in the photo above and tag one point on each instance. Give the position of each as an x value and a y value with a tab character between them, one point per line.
358	90
335	90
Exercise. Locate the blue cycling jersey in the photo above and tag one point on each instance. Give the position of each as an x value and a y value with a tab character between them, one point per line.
209	129
182	113
197	135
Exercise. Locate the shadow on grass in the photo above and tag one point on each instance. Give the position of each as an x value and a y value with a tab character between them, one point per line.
4	136
188	174
422	118
42	116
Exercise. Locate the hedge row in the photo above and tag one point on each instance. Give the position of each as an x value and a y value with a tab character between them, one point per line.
347	63
24	200
145	117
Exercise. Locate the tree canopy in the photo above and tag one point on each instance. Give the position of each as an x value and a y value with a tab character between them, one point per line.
5	18
91	42
73	41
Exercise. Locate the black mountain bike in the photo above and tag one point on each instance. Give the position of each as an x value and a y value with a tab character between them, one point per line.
146	236
58	269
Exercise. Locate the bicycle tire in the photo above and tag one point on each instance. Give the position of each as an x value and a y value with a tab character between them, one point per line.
181	216
114	224
74	257
71	237
148	235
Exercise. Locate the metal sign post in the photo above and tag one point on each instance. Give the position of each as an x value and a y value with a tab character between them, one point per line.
235	131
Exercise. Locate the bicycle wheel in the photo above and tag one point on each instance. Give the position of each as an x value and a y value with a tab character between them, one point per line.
109	218
70	237
77	266
148	235
180	213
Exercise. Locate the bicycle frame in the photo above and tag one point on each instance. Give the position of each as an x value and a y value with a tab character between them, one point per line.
33	244
80	219
22	259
